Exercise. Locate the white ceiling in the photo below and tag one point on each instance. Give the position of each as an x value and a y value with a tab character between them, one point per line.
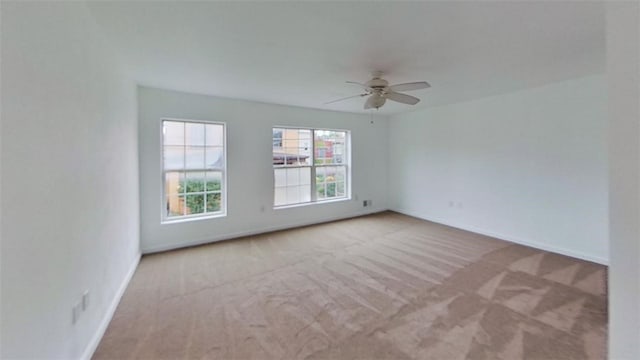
301	53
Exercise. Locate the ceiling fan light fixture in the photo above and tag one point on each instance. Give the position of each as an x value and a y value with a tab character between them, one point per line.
375	101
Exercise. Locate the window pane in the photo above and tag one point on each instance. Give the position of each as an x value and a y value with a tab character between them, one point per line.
320	154
305	193
173	157
214	180
305	176
303	159
173	183
293	195
173	133
328	185
278	157
330	173
330	190
280	177
213	202
320	174
195	157
214	134
174	206
330	147
291	156
294	148
194	134
341	173
290	137
280	196
304	147
293	177
194	182
305	134
325	182
321	190
194	204
277	139
291	146
277	151
214	157
338	153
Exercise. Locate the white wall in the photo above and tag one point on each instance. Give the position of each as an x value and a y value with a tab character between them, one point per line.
70	219
623	72
528	166
249	166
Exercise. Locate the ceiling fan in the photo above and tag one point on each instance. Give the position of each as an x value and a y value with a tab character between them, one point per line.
379	91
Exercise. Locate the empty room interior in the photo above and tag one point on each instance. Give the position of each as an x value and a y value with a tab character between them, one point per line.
320	180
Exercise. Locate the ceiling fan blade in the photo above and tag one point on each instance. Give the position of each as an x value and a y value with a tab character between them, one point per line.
359	84
346	98
410	86
402	98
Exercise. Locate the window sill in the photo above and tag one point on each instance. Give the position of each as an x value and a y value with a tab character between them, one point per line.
195	218
311	203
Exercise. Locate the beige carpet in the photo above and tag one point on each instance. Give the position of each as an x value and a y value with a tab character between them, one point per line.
385	286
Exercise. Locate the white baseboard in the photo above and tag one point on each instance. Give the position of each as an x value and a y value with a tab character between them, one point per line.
533	244
228	236
106	319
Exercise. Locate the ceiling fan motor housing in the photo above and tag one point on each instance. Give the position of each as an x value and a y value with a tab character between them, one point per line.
377	83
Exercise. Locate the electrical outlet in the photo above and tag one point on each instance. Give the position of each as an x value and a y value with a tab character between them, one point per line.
85	300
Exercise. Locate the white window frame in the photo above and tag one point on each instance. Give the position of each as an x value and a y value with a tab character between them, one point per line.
223	185
314	194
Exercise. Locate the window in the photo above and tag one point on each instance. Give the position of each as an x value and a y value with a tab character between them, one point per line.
193	171
277	138
310	165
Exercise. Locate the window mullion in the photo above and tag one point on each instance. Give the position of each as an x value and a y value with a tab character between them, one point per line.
223	181
347	168
204	166
184	168
314	193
